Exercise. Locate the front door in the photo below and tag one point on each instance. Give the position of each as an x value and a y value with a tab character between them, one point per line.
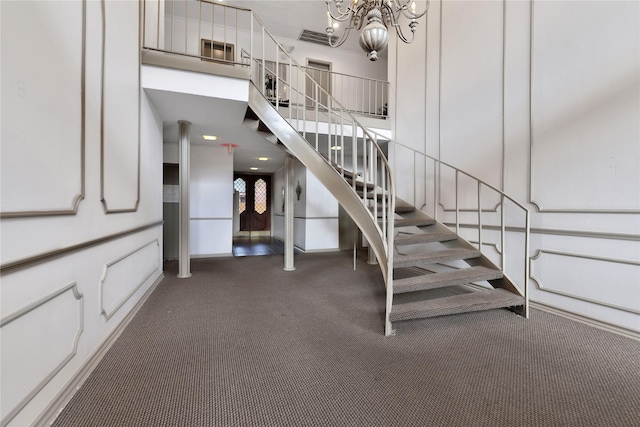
254	204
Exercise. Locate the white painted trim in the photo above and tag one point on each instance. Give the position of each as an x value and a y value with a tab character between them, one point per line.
542	288
57	404
105	273
75	202
73	287
586	320
103	196
222	255
537	204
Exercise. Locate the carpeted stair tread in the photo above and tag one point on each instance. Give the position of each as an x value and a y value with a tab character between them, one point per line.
433	257
447	278
400	209
417	222
436	236
360	184
370	194
405	208
474	301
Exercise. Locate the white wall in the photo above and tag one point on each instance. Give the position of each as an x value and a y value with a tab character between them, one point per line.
211	198
315	213
557	127
81	203
342	61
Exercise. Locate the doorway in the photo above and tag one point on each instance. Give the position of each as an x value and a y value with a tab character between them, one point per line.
320	72
253	204
170	210
252	217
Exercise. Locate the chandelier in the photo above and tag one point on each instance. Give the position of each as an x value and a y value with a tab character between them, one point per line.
376	16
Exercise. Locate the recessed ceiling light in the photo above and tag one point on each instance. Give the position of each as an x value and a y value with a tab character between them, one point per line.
209	137
336	147
263	159
336	25
254	169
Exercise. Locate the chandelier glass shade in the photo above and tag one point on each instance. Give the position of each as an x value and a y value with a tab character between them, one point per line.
374	18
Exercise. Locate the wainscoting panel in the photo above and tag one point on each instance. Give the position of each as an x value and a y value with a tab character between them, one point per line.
594	279
585	89
122	277
120	163
211	236
471	104
322	234
37	342
42	170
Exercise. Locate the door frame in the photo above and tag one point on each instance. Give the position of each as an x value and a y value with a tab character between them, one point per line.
310	65
268	178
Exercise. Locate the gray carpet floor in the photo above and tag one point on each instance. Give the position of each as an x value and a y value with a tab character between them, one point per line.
243	343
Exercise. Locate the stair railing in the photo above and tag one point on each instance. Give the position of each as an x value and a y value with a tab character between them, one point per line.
492	220
334	133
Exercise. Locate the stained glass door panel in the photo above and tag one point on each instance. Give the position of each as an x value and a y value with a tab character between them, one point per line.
255	202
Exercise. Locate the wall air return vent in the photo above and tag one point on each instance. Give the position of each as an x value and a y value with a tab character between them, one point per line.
315	37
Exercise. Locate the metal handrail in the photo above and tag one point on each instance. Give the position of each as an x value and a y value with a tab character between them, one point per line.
348	75
361	95
375	167
379	108
437	192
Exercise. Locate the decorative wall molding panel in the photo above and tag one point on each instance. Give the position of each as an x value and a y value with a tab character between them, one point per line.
37	342
472	37
584	277
19	264
120	118
494	209
585	156
467	193
42	170
123	276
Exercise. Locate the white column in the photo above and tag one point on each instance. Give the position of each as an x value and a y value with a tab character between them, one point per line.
371	258
184	257
289	192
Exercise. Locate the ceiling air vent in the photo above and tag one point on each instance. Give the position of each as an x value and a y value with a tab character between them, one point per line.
315	37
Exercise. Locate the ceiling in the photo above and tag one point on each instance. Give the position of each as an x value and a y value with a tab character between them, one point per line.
220	117
287	19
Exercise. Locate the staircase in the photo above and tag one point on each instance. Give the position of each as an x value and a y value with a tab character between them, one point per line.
428	269
434	272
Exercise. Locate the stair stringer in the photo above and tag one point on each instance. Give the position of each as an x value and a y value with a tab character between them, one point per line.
504	282
326	174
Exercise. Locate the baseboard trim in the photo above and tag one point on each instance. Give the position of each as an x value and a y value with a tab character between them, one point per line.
629	333
320	251
48	416
220	255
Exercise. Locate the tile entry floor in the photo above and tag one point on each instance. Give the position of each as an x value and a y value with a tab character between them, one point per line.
258	245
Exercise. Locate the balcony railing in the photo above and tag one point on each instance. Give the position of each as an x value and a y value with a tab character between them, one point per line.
359	95
219	33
